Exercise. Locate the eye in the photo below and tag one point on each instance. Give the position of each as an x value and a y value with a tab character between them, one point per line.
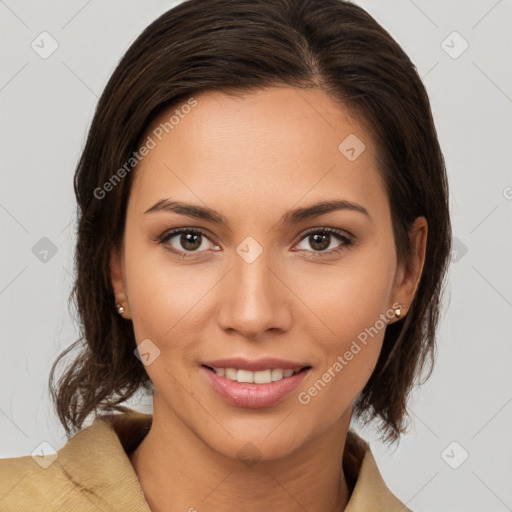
321	240
185	240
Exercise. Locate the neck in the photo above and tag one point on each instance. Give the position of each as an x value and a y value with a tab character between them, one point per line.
178	471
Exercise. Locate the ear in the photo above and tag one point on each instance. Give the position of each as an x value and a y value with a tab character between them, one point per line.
118	282
408	278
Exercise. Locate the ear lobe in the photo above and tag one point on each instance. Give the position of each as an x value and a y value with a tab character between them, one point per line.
409	278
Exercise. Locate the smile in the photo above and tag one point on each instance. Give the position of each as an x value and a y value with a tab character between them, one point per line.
258	377
254	389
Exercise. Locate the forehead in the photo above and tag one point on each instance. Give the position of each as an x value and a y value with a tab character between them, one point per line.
267	146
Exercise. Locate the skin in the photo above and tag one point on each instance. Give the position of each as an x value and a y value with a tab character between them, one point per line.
252	159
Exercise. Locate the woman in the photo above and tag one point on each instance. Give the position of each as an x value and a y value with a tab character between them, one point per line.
263	238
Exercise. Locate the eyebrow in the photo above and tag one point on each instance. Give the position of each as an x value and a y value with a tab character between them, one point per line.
290	217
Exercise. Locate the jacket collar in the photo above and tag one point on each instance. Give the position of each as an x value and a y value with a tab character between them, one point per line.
95	460
109	475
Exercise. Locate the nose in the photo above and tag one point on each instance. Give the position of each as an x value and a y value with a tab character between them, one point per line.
253	299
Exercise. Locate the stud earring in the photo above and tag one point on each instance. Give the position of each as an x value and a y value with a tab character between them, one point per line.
120	309
398	312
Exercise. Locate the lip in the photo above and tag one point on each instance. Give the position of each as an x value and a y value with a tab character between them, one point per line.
253	396
241	363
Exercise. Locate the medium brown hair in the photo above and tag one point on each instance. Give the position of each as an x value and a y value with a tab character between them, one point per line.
239	46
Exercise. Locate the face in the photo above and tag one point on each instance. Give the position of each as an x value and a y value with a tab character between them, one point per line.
313	290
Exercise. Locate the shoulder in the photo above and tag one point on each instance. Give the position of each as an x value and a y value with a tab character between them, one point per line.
28	481
91	471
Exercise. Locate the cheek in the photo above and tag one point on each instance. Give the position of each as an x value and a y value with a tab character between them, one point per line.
165	296
349	357
352	296
353	304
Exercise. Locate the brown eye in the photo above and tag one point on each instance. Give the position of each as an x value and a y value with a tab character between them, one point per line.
185	241
320	240
190	241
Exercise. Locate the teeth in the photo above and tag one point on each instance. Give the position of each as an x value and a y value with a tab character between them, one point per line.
259	377
230	374
262	377
244	376
277	374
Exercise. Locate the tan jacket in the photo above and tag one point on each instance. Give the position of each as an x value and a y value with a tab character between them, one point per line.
92	473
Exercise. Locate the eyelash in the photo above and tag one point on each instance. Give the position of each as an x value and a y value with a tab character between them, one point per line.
342	236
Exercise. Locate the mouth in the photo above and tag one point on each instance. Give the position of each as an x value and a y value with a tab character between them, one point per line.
263	376
264	387
254	383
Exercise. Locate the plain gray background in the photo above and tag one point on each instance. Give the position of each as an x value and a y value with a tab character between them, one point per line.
46	108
